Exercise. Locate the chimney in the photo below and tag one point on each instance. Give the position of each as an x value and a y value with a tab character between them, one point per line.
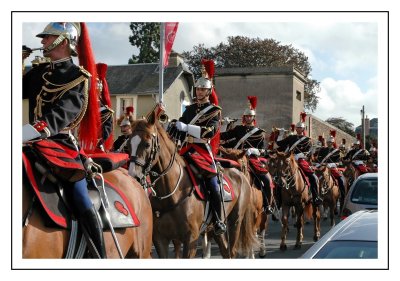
175	59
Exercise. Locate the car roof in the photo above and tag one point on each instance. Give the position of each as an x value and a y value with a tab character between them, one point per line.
368	175
362	225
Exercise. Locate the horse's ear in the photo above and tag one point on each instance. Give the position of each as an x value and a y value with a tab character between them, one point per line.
152	118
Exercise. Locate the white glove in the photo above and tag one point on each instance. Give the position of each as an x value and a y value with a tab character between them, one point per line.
181	126
253	151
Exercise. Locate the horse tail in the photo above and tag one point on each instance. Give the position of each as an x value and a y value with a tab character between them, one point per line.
248	239
308	211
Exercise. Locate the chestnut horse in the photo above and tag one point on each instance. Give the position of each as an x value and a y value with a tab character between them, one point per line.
330	191
260	217
41	241
178	214
287	175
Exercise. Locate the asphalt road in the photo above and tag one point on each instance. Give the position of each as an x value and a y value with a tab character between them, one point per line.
272	239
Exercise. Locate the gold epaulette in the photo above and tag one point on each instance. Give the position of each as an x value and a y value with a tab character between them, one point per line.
85	72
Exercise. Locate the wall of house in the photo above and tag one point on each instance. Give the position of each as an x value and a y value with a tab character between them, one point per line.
276	105
176	95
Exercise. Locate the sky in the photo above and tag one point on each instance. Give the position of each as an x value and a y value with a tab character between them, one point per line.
342	51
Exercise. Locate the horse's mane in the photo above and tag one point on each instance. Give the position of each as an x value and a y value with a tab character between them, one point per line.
145	126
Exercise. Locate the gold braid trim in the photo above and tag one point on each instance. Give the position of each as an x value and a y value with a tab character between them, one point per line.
58	93
208	116
107	115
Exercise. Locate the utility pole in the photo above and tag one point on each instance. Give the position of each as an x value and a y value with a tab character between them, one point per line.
362	111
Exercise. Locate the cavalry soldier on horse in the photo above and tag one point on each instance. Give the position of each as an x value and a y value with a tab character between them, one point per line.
300	145
199	127
63	96
331	157
106	113
125	122
251	138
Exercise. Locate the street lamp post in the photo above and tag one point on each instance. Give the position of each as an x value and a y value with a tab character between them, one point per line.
362	111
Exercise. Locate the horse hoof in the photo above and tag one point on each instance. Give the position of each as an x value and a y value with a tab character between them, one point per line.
283	247
316	238
262	253
297	246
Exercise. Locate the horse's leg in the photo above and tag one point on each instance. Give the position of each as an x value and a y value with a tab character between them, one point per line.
161	245
285	226
177	248
206	245
317	222
300	224
190	246
261	235
332	212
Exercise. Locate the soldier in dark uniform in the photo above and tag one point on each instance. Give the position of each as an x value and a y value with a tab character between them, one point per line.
300	145
356	153
251	138
331	156
199	124
106	113
59	102
125	122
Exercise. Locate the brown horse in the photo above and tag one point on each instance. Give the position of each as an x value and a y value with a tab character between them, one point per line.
178	214
41	241
293	193
260	217
330	191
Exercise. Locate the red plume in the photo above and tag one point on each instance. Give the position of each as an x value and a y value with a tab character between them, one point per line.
343	141
320	138
209	66
333	133
359	137
252	101
129	110
292	126
303	116
102	72
90	124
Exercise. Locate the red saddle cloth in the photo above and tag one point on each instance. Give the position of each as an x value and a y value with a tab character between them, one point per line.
121	211
259	165
336	173
109	161
362	168
229	194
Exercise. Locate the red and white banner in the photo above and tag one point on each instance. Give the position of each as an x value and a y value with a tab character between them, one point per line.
169	37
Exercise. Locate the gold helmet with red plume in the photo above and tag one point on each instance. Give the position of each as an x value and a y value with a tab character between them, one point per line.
103	86
207	72
302	123
292	129
332	136
252	104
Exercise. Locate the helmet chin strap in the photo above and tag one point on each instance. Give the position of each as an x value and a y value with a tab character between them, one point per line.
56	42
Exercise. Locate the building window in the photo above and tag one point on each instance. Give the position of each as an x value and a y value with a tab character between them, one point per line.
298	95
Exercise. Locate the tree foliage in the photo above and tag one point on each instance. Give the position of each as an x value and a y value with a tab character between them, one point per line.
342	124
242	51
146	37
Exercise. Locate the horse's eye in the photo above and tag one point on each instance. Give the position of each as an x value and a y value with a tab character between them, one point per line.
147	145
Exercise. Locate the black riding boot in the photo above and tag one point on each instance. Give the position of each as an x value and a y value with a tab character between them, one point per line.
314	189
266	193
216	204
341	187
93	228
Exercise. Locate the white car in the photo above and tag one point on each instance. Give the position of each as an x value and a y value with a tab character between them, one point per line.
363	194
355	237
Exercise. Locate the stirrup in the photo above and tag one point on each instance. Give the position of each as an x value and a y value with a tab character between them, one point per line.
268	209
318	201
219	228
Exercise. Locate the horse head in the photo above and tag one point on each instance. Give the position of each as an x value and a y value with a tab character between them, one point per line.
143	148
238	155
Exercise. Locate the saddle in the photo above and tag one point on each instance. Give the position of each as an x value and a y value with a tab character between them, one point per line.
259	165
49	191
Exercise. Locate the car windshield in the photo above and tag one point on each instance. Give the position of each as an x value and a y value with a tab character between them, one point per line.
365	192
348	250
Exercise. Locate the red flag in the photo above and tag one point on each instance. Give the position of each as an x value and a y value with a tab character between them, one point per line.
169	37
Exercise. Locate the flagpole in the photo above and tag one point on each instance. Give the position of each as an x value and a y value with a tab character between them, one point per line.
161	64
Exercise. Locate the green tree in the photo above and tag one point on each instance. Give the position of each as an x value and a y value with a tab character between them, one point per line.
342	124
242	51
146	37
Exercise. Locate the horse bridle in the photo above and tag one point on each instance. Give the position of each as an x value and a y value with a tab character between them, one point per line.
148	166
